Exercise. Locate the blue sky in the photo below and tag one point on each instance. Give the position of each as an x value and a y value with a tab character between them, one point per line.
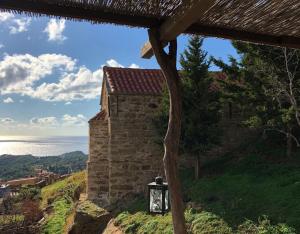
51	70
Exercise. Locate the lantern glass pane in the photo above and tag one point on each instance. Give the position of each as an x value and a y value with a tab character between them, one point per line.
155	200
167	200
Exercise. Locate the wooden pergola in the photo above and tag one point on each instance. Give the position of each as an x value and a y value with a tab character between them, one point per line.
269	22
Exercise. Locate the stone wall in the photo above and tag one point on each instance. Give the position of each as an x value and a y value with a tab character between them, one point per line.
135	159
124	155
98	165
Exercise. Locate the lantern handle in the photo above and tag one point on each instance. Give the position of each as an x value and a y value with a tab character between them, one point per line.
159	180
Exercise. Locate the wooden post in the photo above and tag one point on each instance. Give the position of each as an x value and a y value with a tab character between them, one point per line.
167	63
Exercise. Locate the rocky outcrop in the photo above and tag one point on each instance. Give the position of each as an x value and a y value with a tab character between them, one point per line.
89	219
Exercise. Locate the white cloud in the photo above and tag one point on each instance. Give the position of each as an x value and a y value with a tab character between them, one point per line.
41	125
6	120
84	84
113	63
44	122
55	29
68	103
8	100
20	25
65	121
78	120
1	46
15	25
21	101
4	16
19	74
134	66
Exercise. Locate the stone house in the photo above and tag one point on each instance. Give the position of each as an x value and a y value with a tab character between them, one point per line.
123	155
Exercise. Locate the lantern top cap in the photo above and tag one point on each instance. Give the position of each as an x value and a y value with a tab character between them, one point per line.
154	184
159	180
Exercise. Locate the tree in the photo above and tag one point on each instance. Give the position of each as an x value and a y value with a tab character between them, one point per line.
167	62
268	80
201	104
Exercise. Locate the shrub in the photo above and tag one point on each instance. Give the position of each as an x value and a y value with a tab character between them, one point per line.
71	187
61	196
141	222
29	193
209	223
31	211
264	227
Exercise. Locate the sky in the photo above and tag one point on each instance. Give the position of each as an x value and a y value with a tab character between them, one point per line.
51	70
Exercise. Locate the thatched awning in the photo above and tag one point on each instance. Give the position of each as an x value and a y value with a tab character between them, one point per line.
263	21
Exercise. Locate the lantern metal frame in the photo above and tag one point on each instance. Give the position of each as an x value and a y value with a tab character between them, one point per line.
163	187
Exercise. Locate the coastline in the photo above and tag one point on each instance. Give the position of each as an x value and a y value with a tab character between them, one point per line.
42	146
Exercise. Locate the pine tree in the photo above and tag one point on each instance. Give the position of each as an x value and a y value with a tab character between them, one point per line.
201	105
269	85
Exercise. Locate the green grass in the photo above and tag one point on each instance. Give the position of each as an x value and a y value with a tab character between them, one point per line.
197	223
56	221
140	222
254	190
61	188
61	196
11	219
248	189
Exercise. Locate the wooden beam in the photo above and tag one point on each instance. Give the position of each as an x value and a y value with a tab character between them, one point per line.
146	51
232	34
185	15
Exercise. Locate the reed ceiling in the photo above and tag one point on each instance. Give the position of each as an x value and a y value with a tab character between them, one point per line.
273	20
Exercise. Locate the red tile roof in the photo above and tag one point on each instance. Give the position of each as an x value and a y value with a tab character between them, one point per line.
99	116
134	81
143	81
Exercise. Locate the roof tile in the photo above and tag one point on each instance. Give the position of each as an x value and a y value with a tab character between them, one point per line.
143	81
99	116
134	81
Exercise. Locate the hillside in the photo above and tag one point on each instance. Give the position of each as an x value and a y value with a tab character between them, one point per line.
252	190
12	167
249	191
61	197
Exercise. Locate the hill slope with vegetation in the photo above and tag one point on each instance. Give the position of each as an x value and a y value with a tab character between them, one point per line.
61	197
253	190
12	167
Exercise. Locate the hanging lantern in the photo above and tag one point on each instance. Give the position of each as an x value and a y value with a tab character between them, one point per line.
158	197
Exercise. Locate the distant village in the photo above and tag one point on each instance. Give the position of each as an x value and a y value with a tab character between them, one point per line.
40	179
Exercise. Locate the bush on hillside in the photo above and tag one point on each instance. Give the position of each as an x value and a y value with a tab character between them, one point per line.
207	223
264	227
29	193
69	187
61	196
197	223
141	222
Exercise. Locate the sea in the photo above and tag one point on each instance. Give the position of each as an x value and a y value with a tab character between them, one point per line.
42	146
